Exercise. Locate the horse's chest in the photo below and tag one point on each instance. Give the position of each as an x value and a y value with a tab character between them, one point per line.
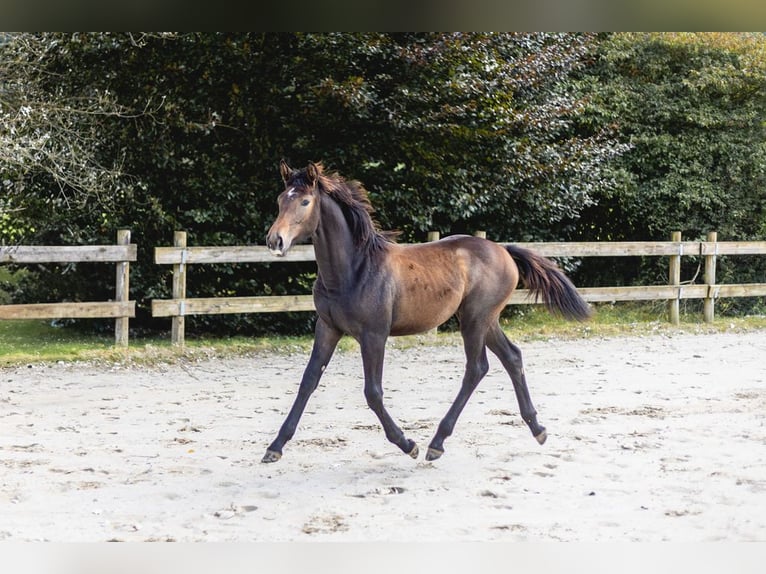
350	312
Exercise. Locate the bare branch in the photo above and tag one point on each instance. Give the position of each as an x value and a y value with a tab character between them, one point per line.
47	130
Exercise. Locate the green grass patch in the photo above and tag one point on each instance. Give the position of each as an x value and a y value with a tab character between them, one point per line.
36	340
619	319
23	342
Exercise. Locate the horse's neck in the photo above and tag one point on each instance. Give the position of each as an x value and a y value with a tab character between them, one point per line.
336	255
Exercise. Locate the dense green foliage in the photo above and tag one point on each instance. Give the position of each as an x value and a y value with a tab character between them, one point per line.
526	136
691	106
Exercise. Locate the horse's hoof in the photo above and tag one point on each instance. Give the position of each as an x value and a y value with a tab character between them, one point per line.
542	437
414	452
271	456
433	453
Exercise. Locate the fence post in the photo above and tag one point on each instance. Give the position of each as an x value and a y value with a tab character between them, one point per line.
482	234
710	263
179	291
122	292
674	278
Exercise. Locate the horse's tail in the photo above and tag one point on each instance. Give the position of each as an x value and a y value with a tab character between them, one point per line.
544	279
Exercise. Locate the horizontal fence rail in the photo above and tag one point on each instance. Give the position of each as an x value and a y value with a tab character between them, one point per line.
181	256
68	254
647	248
237	254
121	309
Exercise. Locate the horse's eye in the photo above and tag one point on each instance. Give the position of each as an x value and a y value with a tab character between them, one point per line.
305	202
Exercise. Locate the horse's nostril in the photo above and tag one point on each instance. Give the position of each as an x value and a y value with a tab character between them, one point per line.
275	242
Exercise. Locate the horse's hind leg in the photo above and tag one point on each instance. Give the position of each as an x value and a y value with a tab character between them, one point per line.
510	355
475	369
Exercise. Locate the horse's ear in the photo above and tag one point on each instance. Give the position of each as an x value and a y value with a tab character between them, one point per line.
313	171
285	170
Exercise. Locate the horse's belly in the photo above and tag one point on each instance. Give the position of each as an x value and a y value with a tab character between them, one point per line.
423	310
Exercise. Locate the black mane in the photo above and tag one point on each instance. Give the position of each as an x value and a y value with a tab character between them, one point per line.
354	201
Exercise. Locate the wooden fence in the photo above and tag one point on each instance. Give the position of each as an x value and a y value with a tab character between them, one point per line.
181	256
121	309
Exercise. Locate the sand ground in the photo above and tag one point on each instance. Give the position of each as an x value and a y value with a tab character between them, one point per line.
655	438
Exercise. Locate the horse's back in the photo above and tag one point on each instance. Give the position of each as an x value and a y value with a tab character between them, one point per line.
475	259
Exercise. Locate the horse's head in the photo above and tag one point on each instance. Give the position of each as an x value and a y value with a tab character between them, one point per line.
298	208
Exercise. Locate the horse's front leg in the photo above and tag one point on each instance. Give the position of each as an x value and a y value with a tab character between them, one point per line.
373	352
325	340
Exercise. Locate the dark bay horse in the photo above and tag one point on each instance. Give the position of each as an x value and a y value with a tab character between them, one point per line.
370	287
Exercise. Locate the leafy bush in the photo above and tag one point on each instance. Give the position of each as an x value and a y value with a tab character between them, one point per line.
691	108
452	132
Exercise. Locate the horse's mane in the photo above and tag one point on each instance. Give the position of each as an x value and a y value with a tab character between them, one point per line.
354	201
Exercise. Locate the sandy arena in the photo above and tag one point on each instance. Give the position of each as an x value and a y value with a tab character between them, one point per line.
655	438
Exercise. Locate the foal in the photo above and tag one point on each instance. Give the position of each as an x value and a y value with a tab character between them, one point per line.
369	287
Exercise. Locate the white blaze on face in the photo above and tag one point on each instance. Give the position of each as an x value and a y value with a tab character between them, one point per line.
284	242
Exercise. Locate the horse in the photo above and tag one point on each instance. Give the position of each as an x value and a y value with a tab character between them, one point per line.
370	287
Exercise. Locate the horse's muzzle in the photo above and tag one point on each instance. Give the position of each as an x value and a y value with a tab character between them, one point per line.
276	244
